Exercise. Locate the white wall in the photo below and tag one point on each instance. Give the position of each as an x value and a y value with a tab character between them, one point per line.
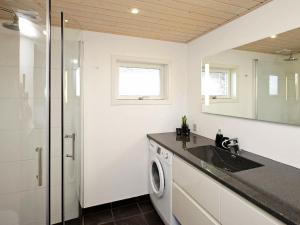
115	143
279	142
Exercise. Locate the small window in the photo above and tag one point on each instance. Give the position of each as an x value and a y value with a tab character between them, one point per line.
139	81
221	83
273	85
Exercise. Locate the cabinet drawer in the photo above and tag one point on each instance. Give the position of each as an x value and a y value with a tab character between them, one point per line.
204	190
187	211
236	210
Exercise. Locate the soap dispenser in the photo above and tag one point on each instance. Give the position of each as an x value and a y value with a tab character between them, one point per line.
219	137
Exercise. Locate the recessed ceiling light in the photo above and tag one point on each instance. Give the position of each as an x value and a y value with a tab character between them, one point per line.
273	36
66	20
134	10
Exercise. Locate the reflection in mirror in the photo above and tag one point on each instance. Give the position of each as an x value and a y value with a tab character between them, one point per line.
259	80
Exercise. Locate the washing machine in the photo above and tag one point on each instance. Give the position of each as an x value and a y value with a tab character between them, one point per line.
160	181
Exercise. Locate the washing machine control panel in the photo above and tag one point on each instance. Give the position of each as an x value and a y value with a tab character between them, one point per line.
164	154
158	150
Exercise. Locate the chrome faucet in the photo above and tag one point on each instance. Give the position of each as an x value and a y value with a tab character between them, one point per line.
234	146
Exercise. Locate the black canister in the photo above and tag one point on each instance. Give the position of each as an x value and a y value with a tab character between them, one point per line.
219	137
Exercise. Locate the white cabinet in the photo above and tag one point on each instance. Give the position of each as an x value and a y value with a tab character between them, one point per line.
199	199
188	211
236	210
204	190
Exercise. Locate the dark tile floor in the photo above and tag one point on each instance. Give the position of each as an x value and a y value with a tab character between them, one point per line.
139	211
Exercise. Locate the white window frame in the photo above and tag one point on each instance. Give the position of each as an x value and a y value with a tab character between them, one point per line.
269	85
229	98
127	61
159	67
227	71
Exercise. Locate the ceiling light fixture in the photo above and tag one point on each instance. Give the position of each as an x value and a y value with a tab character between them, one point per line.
273	36
66	20
135	11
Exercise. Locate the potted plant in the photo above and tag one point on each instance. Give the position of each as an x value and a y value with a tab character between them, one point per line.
184	126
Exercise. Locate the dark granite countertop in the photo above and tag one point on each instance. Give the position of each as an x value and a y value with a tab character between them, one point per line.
275	187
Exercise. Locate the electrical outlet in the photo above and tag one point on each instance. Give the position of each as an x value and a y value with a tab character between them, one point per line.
194	127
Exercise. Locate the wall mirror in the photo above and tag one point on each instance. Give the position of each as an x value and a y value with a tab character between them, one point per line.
259	80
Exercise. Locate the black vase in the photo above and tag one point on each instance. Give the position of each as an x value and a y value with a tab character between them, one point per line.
185	131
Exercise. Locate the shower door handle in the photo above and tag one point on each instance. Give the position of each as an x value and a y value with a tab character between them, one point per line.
71	136
40	166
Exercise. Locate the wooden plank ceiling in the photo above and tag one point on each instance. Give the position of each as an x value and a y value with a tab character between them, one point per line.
26	7
284	44
170	20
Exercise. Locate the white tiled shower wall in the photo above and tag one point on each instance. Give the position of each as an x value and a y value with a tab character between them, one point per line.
23	128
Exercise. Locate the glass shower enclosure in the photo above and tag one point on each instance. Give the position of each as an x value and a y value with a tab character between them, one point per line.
24	113
71	122
278	90
66	192
40	116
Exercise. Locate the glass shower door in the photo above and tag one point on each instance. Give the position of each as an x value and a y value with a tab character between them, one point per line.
271	99
71	124
24	113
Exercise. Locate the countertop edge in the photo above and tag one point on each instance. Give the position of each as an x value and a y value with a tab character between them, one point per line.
272	212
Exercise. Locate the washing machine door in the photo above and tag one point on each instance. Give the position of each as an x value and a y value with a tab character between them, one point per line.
157	179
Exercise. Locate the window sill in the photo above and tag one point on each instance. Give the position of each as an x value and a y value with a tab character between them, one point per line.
222	100
141	102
